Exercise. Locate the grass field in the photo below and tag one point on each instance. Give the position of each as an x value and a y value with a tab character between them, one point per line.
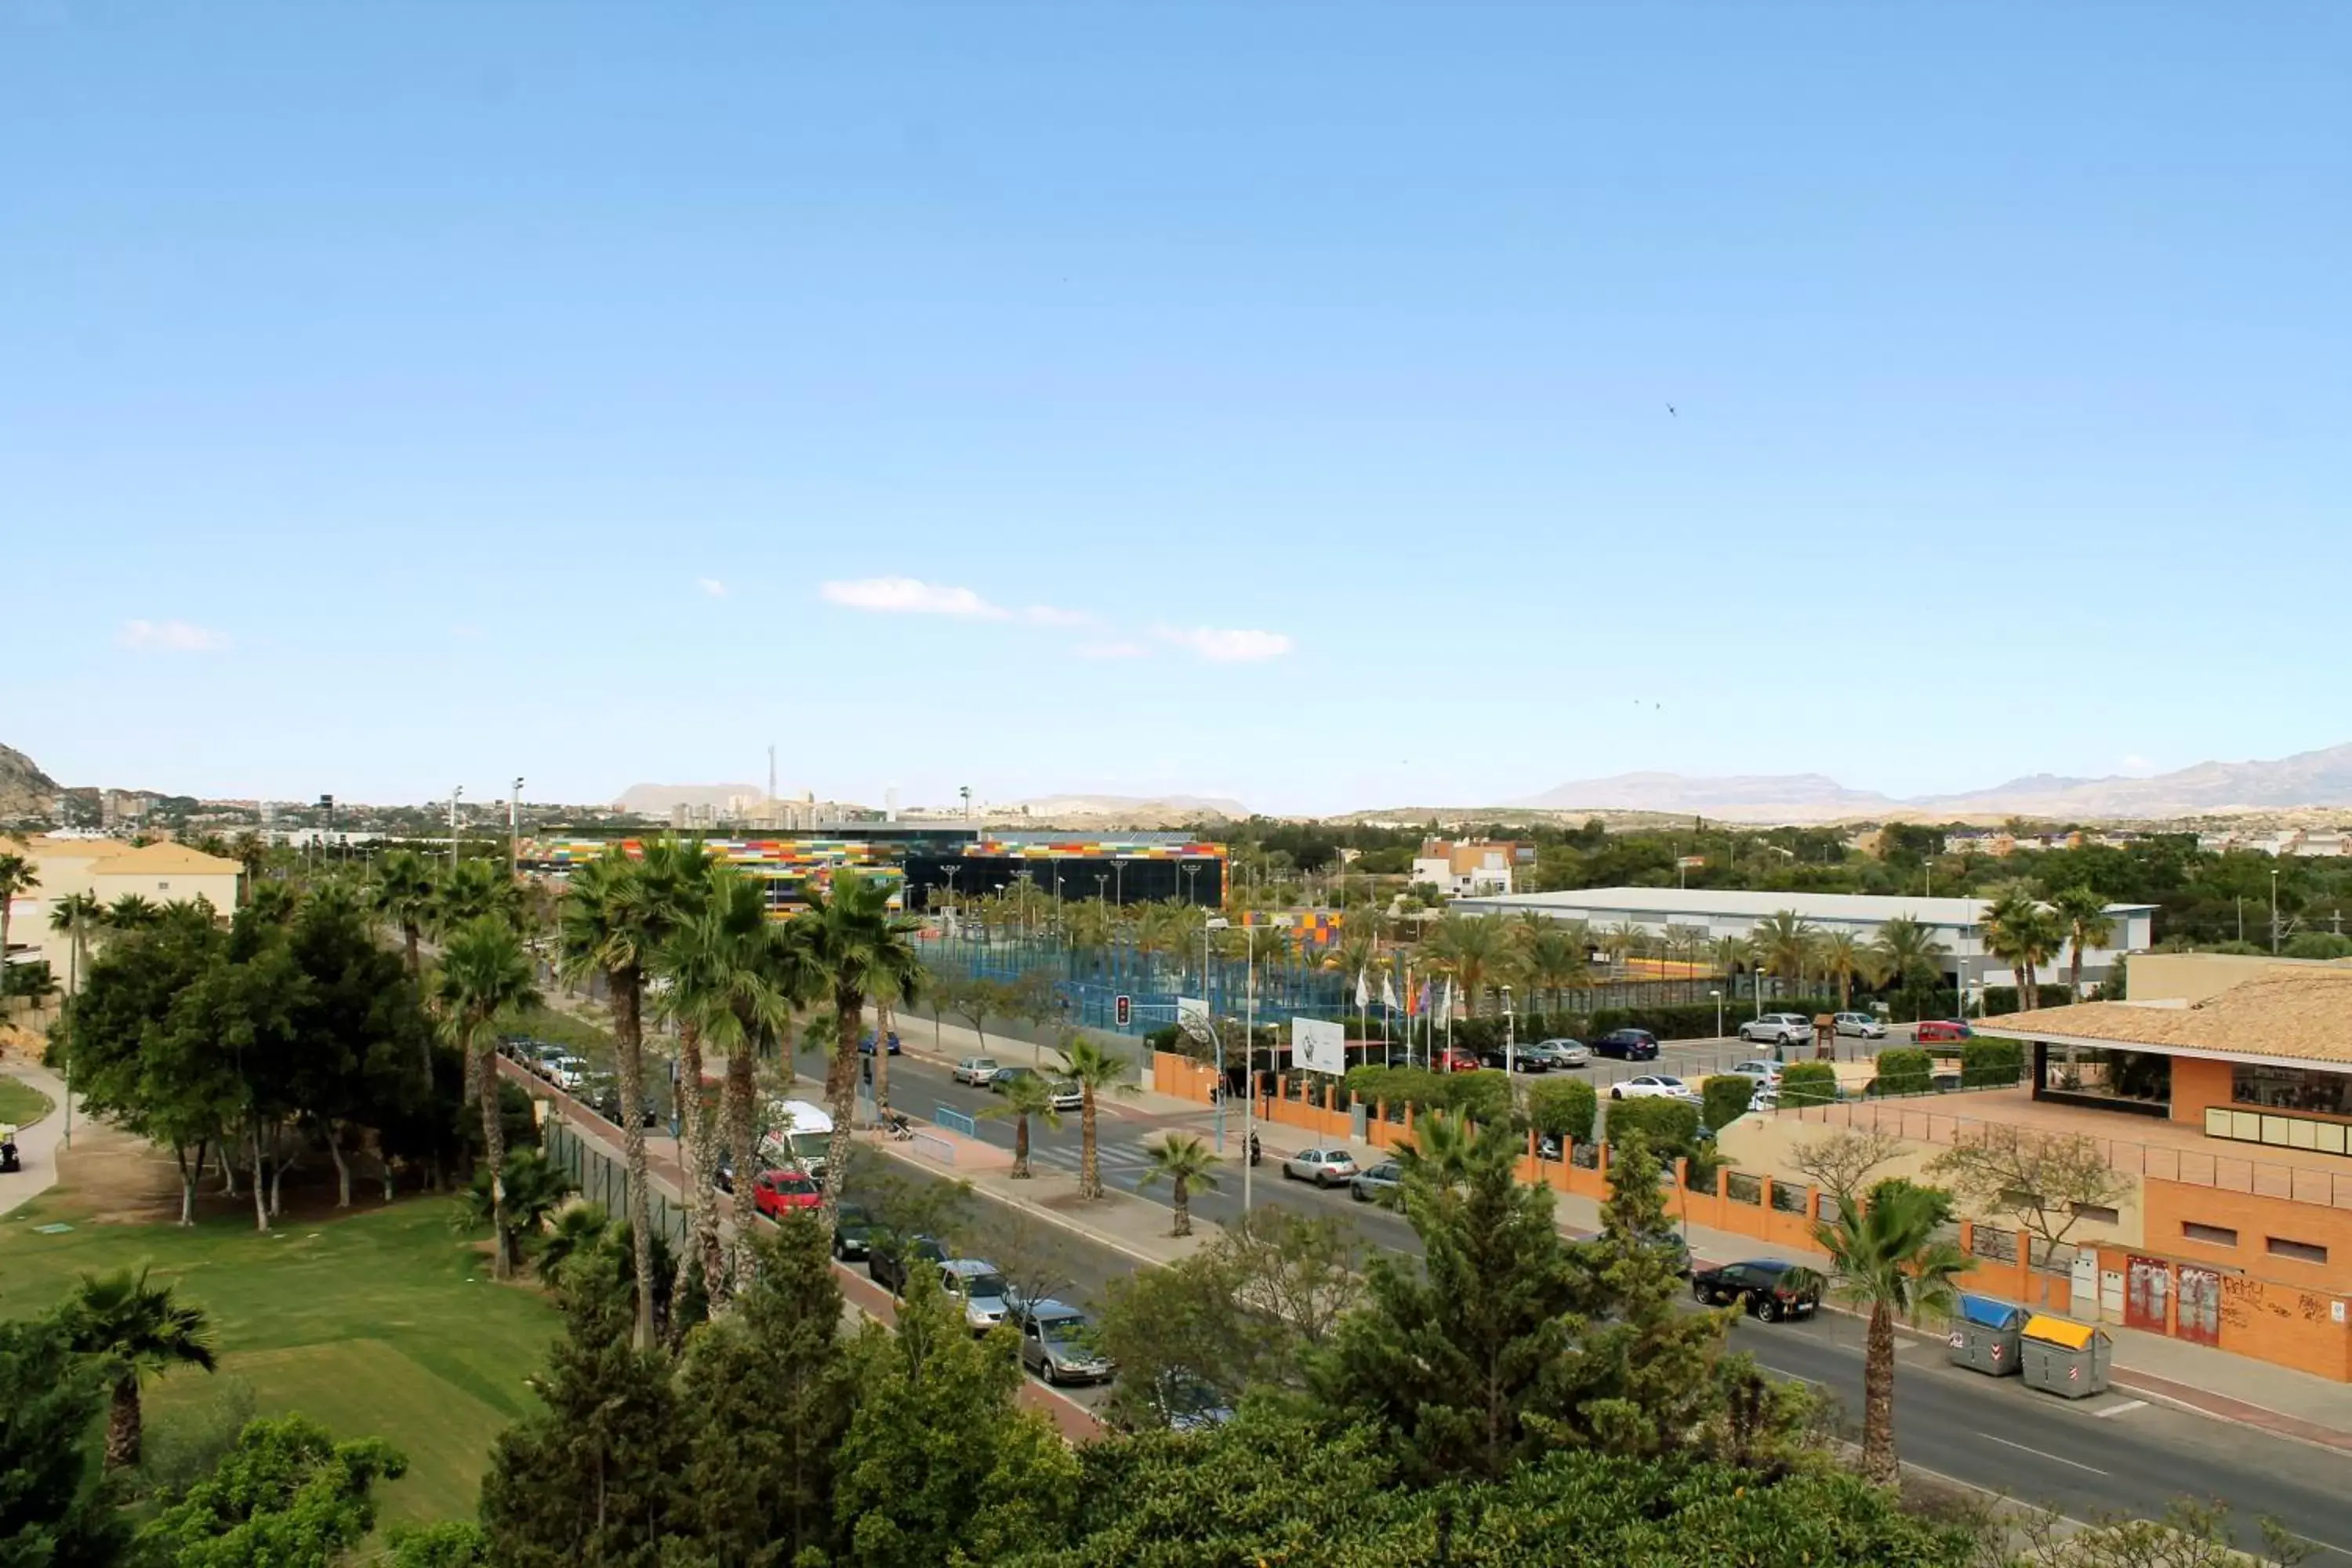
21	1103
385	1323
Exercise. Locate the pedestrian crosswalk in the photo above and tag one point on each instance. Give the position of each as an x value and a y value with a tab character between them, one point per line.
1111	1153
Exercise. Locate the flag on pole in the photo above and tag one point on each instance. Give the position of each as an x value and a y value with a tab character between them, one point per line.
1363	992
1449	996
1387	995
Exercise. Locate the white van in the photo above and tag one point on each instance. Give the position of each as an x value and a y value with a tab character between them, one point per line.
799	1133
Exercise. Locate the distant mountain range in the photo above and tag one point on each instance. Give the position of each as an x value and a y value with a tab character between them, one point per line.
25	789
656	799
2322	778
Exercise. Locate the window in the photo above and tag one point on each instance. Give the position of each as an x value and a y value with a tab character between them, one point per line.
2098	1212
2210	1235
2301	1251
2293	1088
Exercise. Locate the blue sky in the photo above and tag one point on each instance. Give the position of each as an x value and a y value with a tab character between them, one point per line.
1262	399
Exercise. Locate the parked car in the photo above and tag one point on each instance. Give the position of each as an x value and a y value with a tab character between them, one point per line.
975	1071
1627	1044
1004	1077
1188	1402
1452	1058
1652	1086
1766	1098
1676	1248
1057	1343
852	1231
865	1044
1777	1030
1761	1071
1522	1058
1067	1096
1563	1053
1767	1288
1941	1029
567	1072
1365	1187
887	1258
1324	1167
778	1193
1867	1025
541	1058
979	1288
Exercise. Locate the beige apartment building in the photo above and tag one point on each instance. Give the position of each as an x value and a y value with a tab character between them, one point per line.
107	869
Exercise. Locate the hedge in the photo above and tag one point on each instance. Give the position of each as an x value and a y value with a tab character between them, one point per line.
1725	1096
1671	1125
1483	1096
1992	1063
1563	1108
1904	1071
1808	1083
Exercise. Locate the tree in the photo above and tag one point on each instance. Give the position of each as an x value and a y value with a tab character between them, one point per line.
1023	1096
1181	1160
2083	922
359	1029
1909	956
16	876
2024	933
1889	1258
860	948
403	896
1472	950
467	891
937	1465
287	1495
2189	1535
1093	1068
2044	1181
1786	943
485	975
56	1508
1552	961
531	1188
131	911
75	916
1563	1108
1845	960
135	1329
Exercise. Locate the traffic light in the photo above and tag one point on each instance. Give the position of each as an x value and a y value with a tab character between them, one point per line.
1122	1009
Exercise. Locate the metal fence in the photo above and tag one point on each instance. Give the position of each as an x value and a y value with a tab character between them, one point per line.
603	1178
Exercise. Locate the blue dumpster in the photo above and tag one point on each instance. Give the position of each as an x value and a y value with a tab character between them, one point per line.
1985	1336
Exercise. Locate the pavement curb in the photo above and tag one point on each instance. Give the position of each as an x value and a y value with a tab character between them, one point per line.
1028	1206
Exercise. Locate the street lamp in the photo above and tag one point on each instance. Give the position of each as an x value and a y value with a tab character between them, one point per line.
514	829
1719	1013
2275	921
455	791
1510	1038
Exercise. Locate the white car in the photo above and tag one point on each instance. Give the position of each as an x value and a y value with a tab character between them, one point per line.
1766	1098
1324	1167
1652	1086
1761	1071
1868	1026
1777	1030
567	1073
975	1071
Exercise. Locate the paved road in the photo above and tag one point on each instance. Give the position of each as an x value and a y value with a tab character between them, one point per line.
2107	1454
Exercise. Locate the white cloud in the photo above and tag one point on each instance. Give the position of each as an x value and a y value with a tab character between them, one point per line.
1221	646
173	637
911	596
1113	650
712	586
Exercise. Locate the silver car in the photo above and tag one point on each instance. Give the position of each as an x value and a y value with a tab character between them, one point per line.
979	1288
1324	1167
1564	1053
1777	1030
1068	1096
1868	1026
975	1071
1057	1344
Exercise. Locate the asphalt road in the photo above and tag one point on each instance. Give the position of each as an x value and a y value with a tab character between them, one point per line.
2108	1455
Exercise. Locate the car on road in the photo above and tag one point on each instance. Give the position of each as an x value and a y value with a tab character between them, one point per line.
1776	1029
1067	1096
1766	1098
540	1056
1675	1247
887	1258
779	1193
1188	1402
1863	1025
1653	1086
1324	1167
567	1072
1057	1343
1627	1044
1452	1058
1370	1186
975	1071
865	1044
1522	1059
852	1231
1768	1288
977	1288
1563	1053
1004	1077
601	1092
1941	1029
1761	1071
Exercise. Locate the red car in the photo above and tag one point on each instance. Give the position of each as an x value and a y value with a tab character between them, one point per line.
778	1193
1453	1059
1942	1030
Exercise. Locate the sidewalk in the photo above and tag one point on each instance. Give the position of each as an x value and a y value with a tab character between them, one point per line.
950	1042
37	1141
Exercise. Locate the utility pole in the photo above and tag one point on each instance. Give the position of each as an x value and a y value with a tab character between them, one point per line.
2275	921
455	791
514	830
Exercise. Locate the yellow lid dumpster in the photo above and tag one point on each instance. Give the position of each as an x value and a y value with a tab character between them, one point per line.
2064	1358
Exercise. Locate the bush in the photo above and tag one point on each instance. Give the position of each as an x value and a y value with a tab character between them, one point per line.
1164	1038
1809	1083
1564	1109
1484	1097
1671	1125
1904	1071
1989	1063
1723	1099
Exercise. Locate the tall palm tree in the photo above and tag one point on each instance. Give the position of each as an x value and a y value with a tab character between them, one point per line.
1909	955
403	897
1183	1160
74	917
1842	959
2024	933
1551	960
1619	940
140	1329
131	912
1889	1258
485	974
861	948
1025	1095
1093	1069
1784	944
472	888
16	876
1472	950
2082	916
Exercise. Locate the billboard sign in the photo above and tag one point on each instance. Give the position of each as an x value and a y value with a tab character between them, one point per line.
1192	1017
1319	1046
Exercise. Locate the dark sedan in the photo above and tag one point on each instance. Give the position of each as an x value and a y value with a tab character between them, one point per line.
887	1258
1527	1060
1767	1288
1627	1044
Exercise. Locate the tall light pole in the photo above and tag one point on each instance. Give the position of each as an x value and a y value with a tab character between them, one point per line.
1719	1013
455	791
2275	923
1249	1053
514	829
1510	1039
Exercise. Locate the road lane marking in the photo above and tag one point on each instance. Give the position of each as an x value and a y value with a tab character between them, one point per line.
2114	1410
1799	1376
2039	1454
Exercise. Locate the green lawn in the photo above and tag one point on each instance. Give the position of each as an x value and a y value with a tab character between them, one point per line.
21	1103
384	1323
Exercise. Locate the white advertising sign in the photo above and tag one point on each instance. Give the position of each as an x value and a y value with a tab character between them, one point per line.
1319	1046
1193	1016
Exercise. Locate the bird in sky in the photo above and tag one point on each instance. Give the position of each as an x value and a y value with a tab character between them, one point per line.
1670	408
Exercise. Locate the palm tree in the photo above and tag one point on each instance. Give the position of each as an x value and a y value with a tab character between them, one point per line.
861	949
1842	959
1182	1160
1472	950
133	913
140	1329
485	974
1909	955
2083	915
614	915
578	1229
1093	1069
1784	943
2024	933
530	1188
1889	1258
403	897
1551	960
74	917
1619	940
16	876
470	889
1025	1095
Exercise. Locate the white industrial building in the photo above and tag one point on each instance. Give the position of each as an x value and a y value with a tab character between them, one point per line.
1958	923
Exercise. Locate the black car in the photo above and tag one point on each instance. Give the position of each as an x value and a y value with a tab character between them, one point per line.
1496	1057
853	1232
1627	1044
887	1258
1767	1288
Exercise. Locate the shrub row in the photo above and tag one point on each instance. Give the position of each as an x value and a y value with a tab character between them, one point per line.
1564	1108
1671	1125
1808	1083
1992	1063
1723	1099
1482	1097
1904	1071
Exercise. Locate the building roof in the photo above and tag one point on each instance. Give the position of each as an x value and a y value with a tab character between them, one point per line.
154	860
2297	1014
1673	903
47	849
